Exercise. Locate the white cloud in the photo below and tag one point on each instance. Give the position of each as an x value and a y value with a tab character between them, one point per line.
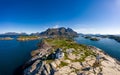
97	28
113	12
86	30
56	26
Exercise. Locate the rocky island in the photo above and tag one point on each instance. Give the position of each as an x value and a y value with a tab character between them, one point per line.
62	56
26	38
114	37
6	38
92	38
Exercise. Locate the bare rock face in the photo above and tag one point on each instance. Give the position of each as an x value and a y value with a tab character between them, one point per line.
64	70
75	65
67	61
57	62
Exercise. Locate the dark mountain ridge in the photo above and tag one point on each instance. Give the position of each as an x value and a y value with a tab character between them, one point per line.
59	32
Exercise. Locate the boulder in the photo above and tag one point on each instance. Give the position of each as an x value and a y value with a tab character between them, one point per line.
67	61
73	73
63	71
71	56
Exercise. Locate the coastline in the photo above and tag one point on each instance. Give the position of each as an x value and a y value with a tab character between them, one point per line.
106	61
6	38
27	38
100	50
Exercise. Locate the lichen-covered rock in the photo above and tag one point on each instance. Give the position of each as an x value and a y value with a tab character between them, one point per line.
71	56
64	70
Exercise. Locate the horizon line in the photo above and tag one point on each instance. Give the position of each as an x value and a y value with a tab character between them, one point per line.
75	31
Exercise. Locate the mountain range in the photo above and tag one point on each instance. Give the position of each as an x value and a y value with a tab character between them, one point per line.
59	32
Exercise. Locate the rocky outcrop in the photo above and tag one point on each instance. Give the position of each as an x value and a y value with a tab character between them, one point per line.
79	60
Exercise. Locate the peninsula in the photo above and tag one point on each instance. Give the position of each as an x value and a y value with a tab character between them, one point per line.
60	56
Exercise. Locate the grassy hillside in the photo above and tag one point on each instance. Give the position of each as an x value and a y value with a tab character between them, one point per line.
78	49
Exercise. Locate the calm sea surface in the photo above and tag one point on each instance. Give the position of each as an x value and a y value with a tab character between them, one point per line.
109	46
14	53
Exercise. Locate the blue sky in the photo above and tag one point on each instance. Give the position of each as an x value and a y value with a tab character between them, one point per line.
84	16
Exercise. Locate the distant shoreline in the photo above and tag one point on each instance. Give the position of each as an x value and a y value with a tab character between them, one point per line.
6	38
27	38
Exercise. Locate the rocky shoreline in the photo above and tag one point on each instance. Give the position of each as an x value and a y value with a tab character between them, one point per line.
6	38
110	63
73	60
27	38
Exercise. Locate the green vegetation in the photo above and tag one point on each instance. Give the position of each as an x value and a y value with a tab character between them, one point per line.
66	43
63	64
49	61
28	36
24	38
63	43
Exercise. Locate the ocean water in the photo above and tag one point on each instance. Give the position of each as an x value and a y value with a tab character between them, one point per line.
109	46
14	53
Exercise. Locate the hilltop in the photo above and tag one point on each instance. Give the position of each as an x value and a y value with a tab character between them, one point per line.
63	56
